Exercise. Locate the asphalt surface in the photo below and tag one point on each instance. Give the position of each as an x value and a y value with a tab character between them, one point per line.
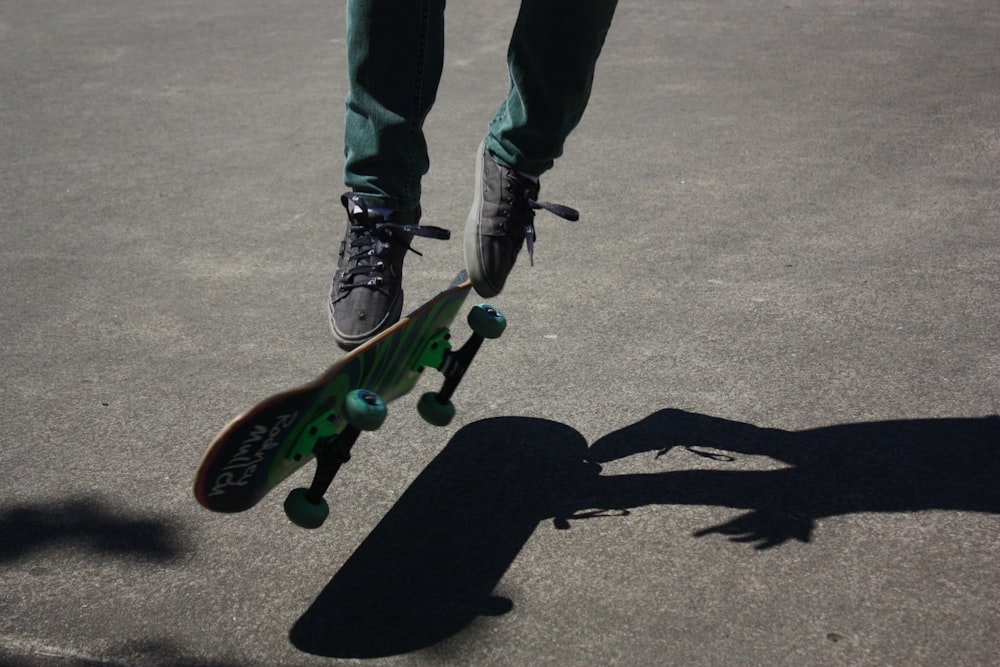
745	411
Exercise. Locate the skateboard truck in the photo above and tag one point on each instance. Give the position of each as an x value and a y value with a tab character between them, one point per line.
485	322
365	411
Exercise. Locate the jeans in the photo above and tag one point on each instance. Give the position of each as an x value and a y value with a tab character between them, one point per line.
395	55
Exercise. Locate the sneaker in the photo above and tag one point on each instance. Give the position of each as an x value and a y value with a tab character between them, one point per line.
501	221
367	292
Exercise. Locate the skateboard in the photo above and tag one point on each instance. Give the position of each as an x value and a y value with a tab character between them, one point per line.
323	419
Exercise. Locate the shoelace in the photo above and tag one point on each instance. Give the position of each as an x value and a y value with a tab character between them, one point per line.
524	203
374	240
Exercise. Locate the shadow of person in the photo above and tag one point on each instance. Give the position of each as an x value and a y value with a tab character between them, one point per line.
890	466
431	565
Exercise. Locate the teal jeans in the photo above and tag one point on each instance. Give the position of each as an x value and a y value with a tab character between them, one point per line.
395	55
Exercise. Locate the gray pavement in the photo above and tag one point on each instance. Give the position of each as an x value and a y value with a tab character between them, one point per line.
744	413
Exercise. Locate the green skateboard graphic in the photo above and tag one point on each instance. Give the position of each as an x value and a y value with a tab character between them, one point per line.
321	420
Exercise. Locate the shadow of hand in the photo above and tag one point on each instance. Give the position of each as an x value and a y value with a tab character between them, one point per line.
764	528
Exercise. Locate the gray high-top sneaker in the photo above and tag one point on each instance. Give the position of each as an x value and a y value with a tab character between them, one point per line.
501	220
367	292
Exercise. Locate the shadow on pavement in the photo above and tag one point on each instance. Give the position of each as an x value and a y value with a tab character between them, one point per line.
87	524
430	566
145	653
892	466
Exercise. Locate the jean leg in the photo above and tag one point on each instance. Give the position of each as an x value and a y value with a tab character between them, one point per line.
395	54
552	56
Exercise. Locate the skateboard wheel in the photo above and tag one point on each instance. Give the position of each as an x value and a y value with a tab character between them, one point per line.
304	513
434	411
365	410
487	321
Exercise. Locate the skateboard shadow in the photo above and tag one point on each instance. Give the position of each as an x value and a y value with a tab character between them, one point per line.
83	523
429	568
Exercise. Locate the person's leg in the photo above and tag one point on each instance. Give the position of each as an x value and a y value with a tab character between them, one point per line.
395	54
552	56
394	60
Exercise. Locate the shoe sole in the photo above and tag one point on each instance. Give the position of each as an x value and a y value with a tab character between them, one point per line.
348	343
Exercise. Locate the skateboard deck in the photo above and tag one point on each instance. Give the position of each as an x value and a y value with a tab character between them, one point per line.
266	444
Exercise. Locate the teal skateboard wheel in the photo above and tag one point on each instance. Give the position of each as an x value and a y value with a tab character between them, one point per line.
304	513
365	410
487	321
434	411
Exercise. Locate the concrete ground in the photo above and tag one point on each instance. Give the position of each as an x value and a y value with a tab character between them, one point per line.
745	411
